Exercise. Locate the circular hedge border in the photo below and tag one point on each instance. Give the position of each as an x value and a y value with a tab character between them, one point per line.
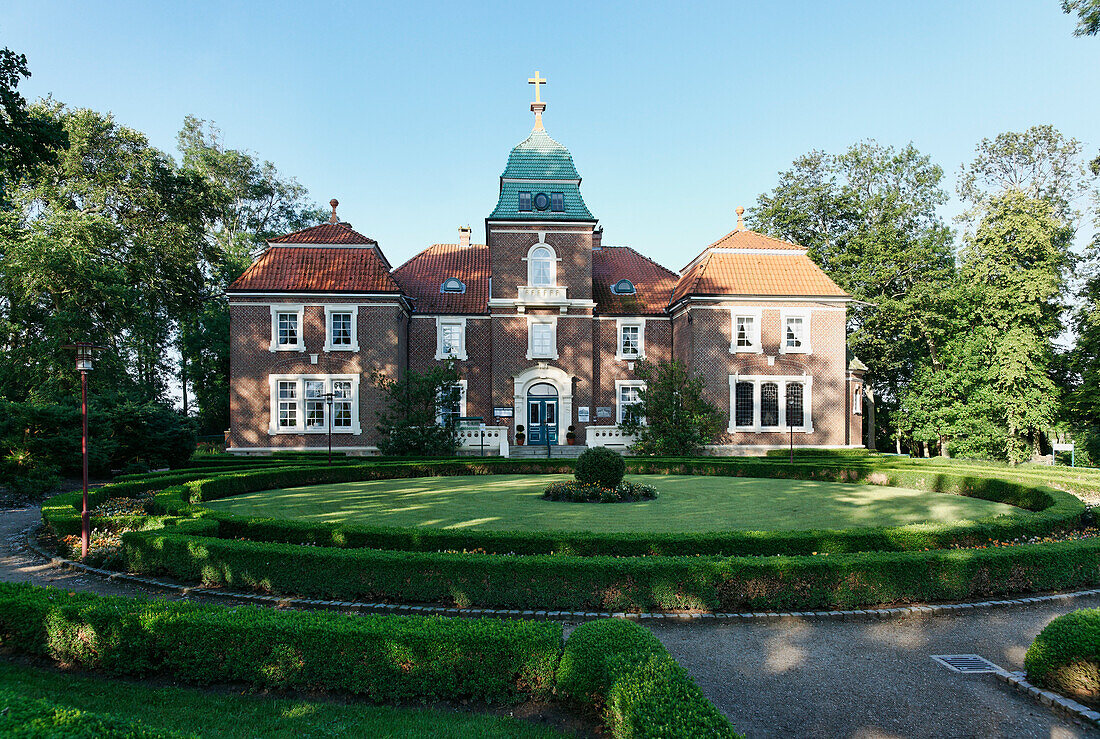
723	571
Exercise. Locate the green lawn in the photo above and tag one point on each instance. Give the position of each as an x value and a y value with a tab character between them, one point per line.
207	714
687	503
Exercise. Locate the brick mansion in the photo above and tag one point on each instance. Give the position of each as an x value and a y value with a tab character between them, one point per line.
546	325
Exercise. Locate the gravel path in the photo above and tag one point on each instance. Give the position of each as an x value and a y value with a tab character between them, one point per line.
866	680
872	679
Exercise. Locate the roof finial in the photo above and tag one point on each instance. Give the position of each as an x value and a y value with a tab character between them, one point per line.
538	106
740	221
333	219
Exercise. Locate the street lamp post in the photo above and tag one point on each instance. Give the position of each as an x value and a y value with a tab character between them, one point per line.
84	352
329	396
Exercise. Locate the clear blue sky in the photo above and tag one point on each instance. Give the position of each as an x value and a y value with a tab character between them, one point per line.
675	113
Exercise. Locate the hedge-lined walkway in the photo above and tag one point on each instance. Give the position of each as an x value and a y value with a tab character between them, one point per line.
826	678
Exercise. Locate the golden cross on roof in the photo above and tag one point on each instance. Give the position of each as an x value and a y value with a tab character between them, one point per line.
536	81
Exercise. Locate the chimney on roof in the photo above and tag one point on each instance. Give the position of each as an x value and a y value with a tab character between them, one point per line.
463	235
597	238
334	218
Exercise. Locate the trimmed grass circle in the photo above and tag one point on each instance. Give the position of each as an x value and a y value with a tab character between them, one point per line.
687	504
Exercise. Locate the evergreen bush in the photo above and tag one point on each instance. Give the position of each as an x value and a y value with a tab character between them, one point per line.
600	466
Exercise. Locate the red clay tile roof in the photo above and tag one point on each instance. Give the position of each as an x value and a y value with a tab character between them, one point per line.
325	233
652	282
422	277
358	269
748	263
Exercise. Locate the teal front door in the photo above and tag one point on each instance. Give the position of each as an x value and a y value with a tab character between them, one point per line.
542	414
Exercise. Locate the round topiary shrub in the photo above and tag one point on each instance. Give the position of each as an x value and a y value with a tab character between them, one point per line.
600	466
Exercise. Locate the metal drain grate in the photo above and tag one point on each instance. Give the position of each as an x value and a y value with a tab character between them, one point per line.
970	664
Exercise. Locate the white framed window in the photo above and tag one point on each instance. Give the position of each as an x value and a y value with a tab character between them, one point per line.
315	404
286	328
342	405
542	338
857	400
288	405
341	328
542	266
455	408
630	339
745	336
626	397
299	404
771	403
450	338
795	325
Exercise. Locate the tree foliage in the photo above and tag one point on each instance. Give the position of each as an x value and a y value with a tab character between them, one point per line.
671	418
868	218
28	139
415	422
1088	16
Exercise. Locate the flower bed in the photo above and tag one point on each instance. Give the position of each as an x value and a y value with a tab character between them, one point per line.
580	492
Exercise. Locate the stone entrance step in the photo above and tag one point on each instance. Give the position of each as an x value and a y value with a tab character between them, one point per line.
539	452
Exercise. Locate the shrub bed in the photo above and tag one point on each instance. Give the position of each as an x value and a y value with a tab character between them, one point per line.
581	492
35	717
612	583
385	658
1065	657
642	690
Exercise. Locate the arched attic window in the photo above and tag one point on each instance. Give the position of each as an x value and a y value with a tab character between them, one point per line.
452	285
623	287
541	266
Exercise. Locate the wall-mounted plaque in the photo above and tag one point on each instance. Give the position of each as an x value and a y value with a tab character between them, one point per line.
503	412
605	412
582	414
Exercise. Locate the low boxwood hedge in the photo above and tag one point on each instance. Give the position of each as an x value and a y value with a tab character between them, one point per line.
1065	657
35	717
187	551
616	665
641	689
385	658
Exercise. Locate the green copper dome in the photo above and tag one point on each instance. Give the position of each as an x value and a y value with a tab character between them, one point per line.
539	164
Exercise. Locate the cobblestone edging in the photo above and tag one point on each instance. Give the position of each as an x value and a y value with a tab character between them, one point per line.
1049	698
674	617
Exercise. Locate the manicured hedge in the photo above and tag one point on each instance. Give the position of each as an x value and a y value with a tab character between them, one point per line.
188	552
35	717
643	691
385	658
1065	657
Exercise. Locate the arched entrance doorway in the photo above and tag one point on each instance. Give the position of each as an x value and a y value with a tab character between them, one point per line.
542	414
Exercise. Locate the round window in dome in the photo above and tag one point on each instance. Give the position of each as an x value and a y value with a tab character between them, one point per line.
542	201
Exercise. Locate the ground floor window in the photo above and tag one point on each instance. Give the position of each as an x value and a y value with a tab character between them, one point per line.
628	398
770	403
302	404
453	405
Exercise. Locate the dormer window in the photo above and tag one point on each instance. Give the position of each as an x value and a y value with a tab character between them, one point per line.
557	202
541	201
623	287
525	201
540	267
453	285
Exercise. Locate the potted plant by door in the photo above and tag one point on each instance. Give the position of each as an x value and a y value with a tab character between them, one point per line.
571	435
520	436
